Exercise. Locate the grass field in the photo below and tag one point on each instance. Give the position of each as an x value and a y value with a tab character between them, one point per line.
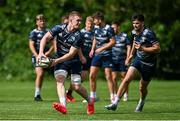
16	102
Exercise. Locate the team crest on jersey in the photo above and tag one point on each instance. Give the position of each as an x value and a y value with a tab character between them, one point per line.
39	35
86	35
60	34
71	39
104	32
143	39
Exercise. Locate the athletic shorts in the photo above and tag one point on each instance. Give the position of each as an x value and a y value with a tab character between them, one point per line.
71	66
120	66
102	61
146	69
35	64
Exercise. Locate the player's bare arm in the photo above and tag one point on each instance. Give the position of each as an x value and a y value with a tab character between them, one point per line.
133	50
44	40
154	49
111	43
81	56
32	48
50	49
72	52
91	53
127	61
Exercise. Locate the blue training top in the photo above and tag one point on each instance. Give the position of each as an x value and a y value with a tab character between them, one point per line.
147	38
88	37
103	36
36	36
66	39
119	50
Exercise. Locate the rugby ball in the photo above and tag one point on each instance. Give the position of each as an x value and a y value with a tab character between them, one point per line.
45	62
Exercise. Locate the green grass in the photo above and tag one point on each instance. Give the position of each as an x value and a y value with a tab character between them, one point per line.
16	102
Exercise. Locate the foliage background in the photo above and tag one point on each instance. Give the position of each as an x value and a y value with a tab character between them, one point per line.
17	20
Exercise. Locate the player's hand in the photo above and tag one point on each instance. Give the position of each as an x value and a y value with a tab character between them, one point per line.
54	62
138	46
83	60
39	56
127	62
91	53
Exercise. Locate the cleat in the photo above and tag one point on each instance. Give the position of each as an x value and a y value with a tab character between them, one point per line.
139	107
38	98
60	108
112	107
90	109
125	98
84	101
70	98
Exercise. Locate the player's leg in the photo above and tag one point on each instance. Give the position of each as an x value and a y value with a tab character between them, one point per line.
38	83
125	97
84	75
108	76
131	73
69	96
83	92
143	93
123	70
85	72
60	76
77	86
92	81
115	84
146	74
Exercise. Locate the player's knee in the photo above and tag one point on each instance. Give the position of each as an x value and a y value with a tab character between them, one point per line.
60	75
114	79
108	77
76	87
75	79
60	79
92	76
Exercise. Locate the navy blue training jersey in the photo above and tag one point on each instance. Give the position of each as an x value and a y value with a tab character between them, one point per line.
87	37
103	36
36	36
147	38
119	50
66	39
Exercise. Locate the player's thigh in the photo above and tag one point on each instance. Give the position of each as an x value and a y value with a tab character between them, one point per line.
39	71
107	71
131	74
115	75
94	71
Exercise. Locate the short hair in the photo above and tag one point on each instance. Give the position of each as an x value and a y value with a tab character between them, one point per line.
74	13
89	18
137	16
64	18
98	15
40	17
116	22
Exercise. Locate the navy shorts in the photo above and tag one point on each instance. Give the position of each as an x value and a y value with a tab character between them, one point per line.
102	61
86	67
120	66
146	69
35	64
71	66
